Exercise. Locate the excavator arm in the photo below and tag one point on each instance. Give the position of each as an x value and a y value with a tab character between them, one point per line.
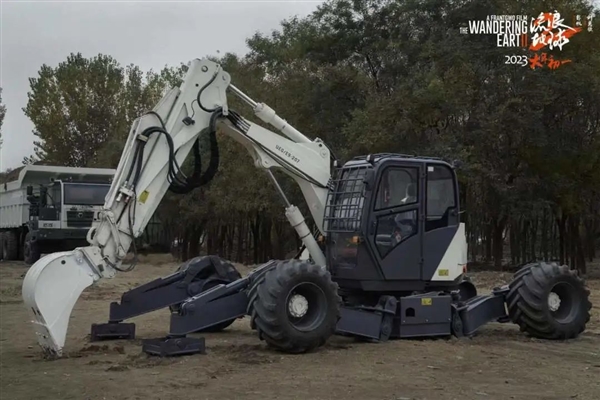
158	143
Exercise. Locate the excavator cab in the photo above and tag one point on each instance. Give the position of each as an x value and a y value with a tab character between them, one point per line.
383	212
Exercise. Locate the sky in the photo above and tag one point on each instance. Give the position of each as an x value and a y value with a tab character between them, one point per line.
150	34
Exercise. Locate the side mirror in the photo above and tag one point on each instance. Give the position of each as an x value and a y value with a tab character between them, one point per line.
29	190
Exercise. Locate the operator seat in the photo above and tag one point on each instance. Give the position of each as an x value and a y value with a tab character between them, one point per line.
411	194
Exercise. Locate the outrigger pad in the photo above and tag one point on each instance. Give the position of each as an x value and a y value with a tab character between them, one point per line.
112	330
174	346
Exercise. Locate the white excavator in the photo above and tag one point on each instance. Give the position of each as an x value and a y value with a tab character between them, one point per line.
388	261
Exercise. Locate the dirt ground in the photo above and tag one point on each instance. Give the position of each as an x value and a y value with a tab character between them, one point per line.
498	363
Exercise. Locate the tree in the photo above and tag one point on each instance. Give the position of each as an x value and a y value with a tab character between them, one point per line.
74	107
372	76
427	89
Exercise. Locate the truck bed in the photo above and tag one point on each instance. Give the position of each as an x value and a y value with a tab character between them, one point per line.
14	208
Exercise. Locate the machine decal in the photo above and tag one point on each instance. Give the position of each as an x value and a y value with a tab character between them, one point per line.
288	154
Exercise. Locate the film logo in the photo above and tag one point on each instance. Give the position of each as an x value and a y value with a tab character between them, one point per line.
546	32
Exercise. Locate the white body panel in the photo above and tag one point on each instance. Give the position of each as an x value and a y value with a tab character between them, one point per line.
454	262
14	208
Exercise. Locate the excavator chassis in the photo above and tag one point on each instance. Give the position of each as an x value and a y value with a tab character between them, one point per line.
419	315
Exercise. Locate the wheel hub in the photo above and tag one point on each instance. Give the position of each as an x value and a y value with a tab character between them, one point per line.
553	301
298	306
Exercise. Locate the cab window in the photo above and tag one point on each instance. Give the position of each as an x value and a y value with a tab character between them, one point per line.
441	196
398	187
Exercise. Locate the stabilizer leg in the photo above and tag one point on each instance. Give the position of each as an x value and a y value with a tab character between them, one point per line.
479	311
209	308
189	280
154	295
224	302
370	323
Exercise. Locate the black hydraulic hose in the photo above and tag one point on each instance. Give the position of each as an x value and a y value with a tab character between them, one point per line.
197	179
202	90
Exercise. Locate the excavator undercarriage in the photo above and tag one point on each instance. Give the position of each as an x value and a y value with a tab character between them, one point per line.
207	295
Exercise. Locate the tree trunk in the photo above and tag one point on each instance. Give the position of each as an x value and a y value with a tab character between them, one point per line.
498	242
514	228
544	239
194	248
488	241
560	221
240	241
533	237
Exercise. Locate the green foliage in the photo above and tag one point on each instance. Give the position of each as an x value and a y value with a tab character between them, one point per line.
87	106
371	76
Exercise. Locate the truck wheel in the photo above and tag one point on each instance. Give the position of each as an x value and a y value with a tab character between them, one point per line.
549	301
201	284
295	306
31	250
10	246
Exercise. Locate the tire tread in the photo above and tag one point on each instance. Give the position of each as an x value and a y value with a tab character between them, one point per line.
527	305
263	294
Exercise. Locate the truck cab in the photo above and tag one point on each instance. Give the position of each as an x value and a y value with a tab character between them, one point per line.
61	215
49	209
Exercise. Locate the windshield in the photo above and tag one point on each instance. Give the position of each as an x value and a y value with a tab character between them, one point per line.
85	194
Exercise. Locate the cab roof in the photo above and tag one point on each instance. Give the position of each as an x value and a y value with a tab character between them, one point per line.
375	159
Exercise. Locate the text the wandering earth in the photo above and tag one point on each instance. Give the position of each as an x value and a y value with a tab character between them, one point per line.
510	30
546	32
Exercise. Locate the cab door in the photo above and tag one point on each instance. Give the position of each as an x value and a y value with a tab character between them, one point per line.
442	221
395	225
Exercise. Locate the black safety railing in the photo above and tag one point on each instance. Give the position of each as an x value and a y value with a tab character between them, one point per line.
343	211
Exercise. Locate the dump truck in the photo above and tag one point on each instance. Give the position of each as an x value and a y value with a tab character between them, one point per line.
47	209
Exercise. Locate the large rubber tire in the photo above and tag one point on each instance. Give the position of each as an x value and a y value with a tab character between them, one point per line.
31	250
532	304
271	294
215	279
10	246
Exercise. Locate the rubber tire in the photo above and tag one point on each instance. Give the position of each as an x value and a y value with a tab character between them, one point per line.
232	271
31	251
10	246
527	301
267	306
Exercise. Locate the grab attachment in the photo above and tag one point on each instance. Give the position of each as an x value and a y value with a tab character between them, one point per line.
50	290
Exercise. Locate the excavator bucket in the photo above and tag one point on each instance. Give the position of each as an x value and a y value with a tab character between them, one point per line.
50	290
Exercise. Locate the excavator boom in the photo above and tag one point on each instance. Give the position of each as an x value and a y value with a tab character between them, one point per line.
157	145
